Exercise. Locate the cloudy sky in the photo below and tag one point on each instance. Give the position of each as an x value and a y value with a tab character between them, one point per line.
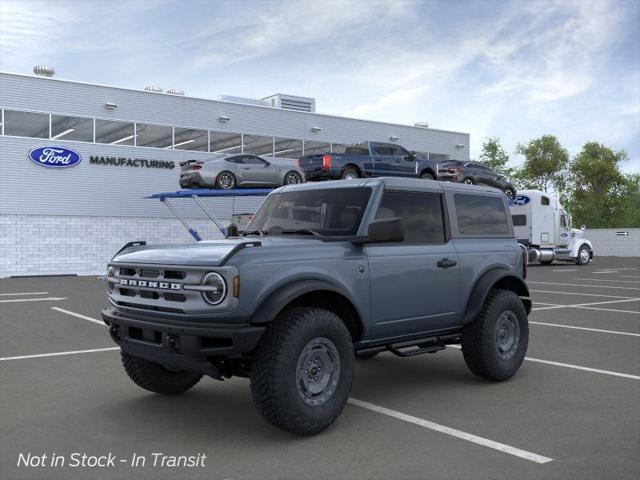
512	69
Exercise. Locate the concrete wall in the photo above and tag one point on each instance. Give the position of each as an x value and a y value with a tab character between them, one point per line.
49	244
607	242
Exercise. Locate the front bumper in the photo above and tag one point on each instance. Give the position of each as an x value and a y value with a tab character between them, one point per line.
178	344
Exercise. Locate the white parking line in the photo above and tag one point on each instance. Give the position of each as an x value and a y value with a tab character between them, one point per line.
580	367
570	365
606	271
566	270
611	310
603	280
598	330
585	305
586	286
583	294
629	276
533	457
47	299
56	354
22	293
73	314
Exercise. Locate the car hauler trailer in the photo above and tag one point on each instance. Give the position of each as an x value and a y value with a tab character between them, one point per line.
544	227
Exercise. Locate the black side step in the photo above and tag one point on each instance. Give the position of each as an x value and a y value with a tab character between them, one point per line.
415	347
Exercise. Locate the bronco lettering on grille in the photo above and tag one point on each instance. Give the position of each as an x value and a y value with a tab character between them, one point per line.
145	283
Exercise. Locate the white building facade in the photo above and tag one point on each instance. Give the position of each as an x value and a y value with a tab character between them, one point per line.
129	143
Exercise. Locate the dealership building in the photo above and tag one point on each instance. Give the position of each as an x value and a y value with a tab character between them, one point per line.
129	144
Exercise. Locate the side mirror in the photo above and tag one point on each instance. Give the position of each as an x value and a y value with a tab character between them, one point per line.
583	228
411	156
385	230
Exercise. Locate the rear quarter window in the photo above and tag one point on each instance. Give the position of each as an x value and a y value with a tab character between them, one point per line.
481	215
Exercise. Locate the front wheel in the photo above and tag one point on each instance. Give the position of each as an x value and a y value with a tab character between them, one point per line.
468	181
584	255
302	370
292	177
225	180
494	344
156	378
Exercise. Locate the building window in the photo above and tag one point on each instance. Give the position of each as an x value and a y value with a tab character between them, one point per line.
421	215
258	145
26	124
71	128
114	133
191	139
287	148
156	136
316	148
226	143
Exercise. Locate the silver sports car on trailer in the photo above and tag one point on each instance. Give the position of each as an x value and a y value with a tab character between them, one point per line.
240	170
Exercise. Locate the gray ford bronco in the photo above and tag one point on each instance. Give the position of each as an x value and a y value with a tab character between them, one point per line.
325	273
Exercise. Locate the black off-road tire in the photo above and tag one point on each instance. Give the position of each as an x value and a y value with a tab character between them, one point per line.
350	173
276	386
427	176
156	378
480	343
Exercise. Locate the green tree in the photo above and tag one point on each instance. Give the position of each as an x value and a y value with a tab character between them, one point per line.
599	193
494	156
544	165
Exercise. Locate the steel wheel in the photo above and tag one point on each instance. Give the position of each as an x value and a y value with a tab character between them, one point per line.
226	180
292	178
583	255
507	334
318	371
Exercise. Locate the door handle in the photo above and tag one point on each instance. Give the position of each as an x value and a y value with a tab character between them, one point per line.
446	263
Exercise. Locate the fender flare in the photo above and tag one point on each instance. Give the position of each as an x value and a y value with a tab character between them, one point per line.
282	296
430	170
484	285
580	243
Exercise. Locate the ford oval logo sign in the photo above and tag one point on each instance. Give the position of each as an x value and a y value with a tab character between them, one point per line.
55	157
521	200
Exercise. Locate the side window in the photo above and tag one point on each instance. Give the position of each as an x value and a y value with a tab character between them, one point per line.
382	150
481	215
544	200
519	220
398	151
235	159
421	214
563	221
253	160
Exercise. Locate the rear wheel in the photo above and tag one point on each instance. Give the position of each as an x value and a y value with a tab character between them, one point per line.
350	173
495	343
584	255
226	180
302	370
468	181
292	177
156	378
427	176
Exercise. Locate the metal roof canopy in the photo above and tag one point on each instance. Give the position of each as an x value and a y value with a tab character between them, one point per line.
196	194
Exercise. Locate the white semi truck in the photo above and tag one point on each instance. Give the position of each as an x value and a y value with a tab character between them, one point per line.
544	227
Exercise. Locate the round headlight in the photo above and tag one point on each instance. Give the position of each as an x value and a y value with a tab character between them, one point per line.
217	288
111	277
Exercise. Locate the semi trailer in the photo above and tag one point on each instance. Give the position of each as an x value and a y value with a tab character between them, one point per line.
543	226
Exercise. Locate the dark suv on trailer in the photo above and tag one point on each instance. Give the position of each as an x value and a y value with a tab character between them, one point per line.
474	173
325	273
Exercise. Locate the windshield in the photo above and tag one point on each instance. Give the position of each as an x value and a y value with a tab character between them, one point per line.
326	212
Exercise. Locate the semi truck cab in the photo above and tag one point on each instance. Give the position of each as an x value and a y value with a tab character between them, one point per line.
542	224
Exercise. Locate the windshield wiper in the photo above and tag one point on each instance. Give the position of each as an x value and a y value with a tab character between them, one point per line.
301	231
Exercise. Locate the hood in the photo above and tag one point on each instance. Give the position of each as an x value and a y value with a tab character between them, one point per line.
202	253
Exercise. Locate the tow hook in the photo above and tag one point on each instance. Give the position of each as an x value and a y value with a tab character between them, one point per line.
114	331
174	343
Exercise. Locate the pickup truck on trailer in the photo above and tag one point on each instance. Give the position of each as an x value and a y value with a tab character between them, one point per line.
369	159
325	273
544	227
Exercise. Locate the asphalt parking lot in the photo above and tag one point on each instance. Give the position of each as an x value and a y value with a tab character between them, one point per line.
573	411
